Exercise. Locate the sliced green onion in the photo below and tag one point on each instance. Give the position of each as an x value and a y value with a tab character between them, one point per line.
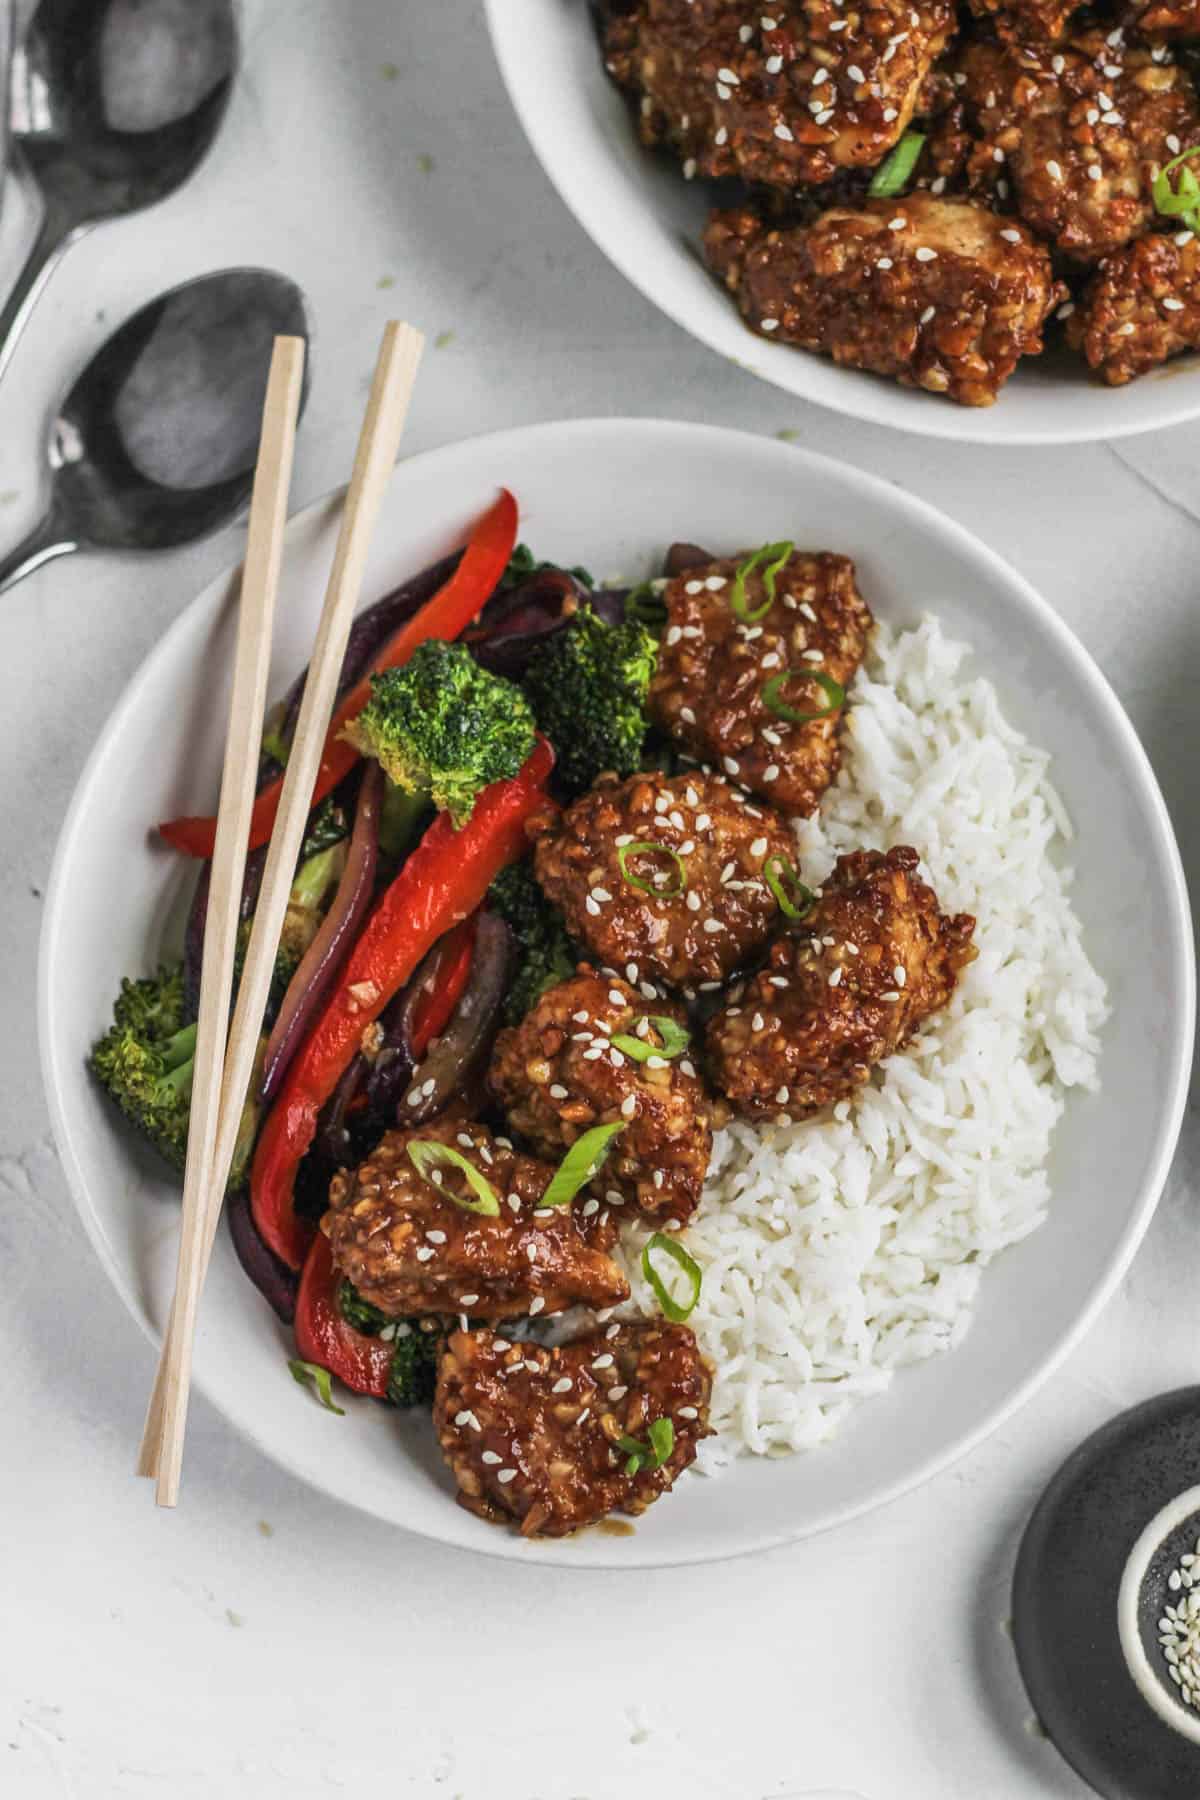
834	690
800	902
580	1164
891	177
1183	200
306	1373
660	1441
675	1040
426	1156
645	848
676	1310
771	557
645	606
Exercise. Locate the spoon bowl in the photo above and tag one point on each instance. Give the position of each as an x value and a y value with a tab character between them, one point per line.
113	108
155	443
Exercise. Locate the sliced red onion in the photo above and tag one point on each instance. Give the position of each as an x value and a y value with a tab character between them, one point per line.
515	624
277	1284
333	1142
447	1067
338	929
197	921
389	1073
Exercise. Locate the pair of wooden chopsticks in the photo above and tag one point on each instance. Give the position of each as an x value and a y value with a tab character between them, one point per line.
223	1070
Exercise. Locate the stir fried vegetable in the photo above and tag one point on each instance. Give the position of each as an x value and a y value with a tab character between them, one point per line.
587	685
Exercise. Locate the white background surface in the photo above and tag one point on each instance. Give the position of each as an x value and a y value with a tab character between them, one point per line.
261	1640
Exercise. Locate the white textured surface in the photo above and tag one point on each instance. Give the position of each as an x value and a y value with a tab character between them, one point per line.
354	1656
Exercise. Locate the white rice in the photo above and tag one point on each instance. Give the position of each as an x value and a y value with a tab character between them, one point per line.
836	1251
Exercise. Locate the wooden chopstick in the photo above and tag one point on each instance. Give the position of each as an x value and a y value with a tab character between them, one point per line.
379	442
252	661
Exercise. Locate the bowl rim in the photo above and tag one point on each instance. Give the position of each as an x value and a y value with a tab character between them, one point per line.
1178	925
871	402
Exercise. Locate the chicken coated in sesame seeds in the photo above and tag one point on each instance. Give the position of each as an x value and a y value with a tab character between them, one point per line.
848	986
715	666
559	1073
532	1435
782	96
1080	127
1163	19
409	1248
1027	21
1141	307
666	873
939	294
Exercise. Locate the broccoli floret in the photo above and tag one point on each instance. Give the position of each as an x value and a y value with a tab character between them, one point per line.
145	1060
417	1345
587	686
444	726
545	952
145	1063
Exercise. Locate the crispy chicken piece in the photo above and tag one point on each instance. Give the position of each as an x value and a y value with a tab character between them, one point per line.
1141	306
713	668
779	97
1081	128
688	910
1026	21
938	294
409	1248
871	961
558	1074
1165	19
532	1434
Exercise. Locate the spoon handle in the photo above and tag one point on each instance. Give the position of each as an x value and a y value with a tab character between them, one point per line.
54	234
43	544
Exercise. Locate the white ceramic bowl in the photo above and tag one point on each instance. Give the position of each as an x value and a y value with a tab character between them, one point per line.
648	221
611	494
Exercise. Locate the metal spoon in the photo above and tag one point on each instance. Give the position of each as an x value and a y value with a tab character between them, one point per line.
155	443
113	108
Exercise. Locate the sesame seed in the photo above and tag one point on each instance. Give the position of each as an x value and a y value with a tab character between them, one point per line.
771	772
855	73
1010	236
821	76
490	1457
1183	237
712	926
590	1207
467	1299
1094	171
590	906
689	167
674	635
613	1330
1065	310
617	1393
835	979
629	1106
889	112
693	587
687	715
460	1418
584	1416
603	1362
730	766
1173	144
729	77
562	1386
757	1022
1170	305
507	1475
424	1253
535	1306
693	902
925	254
1058	64
688	1412
885	262
927	314
823	118
720	137
768	324
784	133
898	223
1054	171
759	847
781	1097
899	975
436	1237
745	33
891	996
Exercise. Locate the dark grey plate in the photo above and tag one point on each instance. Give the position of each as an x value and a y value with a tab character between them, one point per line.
1065	1600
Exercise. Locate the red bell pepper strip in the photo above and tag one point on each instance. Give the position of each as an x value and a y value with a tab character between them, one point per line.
322	1335
440	998
444	617
443	881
